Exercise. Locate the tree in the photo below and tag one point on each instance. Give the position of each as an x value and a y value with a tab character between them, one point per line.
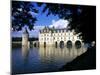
21	15
82	18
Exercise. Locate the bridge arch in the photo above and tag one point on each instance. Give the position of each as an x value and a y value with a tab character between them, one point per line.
61	44
44	44
78	44
69	44
56	44
35	44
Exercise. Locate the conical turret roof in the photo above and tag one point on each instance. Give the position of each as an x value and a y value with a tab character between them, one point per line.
25	31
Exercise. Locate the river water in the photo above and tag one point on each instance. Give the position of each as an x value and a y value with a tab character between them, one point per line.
40	59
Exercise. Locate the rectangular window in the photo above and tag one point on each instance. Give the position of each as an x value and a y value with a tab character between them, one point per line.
69	37
54	38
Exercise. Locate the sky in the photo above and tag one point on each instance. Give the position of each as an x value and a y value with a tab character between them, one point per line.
42	21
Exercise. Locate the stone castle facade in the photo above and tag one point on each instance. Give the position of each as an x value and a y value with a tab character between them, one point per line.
55	37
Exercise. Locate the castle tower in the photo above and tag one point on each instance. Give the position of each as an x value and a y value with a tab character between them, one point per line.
25	37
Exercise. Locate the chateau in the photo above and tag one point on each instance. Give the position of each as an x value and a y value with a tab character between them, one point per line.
54	37
57	37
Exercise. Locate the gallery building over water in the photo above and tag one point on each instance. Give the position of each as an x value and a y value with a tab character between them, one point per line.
59	37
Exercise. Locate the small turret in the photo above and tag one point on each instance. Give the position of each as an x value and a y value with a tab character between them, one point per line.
25	37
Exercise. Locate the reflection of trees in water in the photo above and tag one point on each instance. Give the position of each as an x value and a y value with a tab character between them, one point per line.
55	55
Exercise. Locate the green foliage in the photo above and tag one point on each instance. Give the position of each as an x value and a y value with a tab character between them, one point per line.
21	15
82	18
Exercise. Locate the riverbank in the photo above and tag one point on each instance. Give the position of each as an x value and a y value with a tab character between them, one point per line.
84	62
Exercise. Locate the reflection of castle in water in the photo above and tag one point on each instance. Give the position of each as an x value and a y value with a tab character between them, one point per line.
61	55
